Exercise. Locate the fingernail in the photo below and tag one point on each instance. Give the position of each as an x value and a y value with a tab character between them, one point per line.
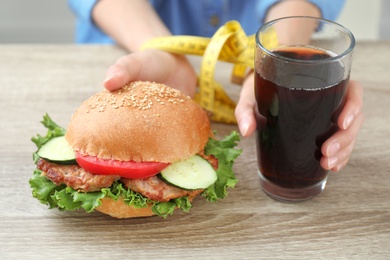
333	148
244	126
111	73
348	121
332	162
109	77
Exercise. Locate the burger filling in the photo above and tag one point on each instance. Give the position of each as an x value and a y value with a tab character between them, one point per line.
82	180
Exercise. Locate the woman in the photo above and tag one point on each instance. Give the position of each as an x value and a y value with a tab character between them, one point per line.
130	23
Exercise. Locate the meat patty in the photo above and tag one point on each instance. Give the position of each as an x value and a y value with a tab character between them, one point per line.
81	180
75	177
156	189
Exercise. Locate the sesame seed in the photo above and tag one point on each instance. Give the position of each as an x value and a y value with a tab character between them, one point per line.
136	95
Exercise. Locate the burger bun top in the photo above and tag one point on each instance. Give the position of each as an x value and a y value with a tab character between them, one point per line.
141	122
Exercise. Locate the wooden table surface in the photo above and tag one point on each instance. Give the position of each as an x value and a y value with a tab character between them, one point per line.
350	220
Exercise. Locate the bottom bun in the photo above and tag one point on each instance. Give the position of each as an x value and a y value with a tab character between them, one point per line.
119	209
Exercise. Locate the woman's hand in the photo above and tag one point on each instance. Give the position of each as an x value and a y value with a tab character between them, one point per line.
153	65
337	149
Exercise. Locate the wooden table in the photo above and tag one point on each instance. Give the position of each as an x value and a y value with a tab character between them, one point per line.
350	220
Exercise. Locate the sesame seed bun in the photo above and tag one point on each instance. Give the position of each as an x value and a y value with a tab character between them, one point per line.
141	122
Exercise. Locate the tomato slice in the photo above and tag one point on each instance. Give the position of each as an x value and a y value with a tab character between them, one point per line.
133	170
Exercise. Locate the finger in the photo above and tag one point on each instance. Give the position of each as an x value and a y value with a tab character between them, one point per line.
244	111
153	65
353	105
339	160
116	78
342	138
340	166
124	70
135	66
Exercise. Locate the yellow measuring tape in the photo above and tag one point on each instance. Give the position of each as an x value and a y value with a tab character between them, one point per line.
228	44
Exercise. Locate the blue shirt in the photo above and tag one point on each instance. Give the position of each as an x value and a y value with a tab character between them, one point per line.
199	17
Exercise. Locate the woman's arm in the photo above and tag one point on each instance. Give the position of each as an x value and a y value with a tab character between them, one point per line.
292	8
130	23
245	106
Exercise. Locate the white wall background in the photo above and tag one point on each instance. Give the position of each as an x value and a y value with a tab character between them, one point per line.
50	21
36	21
363	18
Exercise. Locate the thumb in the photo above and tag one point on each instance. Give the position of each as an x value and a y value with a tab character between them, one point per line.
245	108
124	70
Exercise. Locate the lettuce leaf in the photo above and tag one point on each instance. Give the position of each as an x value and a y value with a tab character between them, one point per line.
43	189
167	208
224	150
66	198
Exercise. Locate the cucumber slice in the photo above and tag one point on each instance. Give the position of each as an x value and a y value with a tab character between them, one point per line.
57	150
190	174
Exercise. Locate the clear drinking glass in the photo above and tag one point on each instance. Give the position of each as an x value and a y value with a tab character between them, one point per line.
302	68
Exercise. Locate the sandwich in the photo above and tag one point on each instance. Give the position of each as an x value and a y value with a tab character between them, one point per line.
145	149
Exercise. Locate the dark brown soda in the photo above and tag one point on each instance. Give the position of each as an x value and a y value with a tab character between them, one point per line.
298	107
